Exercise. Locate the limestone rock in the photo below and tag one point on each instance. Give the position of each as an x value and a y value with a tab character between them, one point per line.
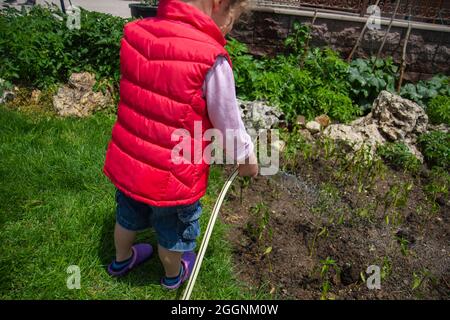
6	94
35	96
324	120
313	127
393	118
258	115
398	118
77	97
301	121
306	134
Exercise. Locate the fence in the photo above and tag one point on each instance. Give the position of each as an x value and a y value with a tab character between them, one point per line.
430	11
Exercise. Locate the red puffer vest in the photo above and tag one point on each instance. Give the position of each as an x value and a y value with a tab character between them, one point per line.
164	62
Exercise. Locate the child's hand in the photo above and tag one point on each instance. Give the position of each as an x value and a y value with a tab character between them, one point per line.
249	169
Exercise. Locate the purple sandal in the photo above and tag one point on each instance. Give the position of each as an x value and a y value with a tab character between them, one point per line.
141	253
188	261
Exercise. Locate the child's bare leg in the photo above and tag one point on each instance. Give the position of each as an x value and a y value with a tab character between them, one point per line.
171	261
123	240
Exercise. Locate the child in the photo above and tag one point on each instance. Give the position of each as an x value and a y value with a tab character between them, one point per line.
175	71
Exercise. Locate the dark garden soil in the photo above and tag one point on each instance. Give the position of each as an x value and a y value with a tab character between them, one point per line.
306	236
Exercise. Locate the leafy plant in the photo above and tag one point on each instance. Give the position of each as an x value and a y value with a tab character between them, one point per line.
424	91
37	49
438	185
320	87
4	87
398	156
435	147
295	43
404	245
259	228
438	110
368	78
326	266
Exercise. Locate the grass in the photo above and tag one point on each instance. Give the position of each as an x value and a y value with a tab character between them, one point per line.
57	209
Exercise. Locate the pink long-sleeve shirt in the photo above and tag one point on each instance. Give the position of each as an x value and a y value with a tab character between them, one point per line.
223	110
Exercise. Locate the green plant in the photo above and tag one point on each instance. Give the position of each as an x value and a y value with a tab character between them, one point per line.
438	110
320	87
398	156
368	78
294	44
419	278
150	2
386	268
438	185
404	245
245	68
38	50
4	87
424	91
396	198
326	266
435	147
259	227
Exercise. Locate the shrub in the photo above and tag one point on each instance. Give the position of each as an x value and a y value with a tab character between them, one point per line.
37	49
424	91
438	110
435	147
398	156
369	77
320	87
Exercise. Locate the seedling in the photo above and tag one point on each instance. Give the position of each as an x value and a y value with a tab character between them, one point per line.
326	266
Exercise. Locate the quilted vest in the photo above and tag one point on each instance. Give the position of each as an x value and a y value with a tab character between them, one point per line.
164	62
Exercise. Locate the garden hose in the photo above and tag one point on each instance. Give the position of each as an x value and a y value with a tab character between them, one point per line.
207	236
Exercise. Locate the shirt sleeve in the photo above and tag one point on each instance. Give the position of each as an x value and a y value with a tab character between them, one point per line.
223	110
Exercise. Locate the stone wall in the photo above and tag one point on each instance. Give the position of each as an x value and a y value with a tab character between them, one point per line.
428	51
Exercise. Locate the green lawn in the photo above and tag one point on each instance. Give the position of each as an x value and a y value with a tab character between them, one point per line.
57	209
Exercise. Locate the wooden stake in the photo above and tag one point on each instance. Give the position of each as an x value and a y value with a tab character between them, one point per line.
361	35
403	65
387	32
305	52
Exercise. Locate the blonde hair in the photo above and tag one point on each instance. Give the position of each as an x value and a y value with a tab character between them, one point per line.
237	8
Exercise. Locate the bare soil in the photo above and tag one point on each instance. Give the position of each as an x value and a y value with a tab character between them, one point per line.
312	218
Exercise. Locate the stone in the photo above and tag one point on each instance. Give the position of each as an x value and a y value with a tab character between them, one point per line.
356	136
439	127
398	118
324	120
77	97
306	134
279	145
6	94
35	96
257	115
313	127
392	118
301	121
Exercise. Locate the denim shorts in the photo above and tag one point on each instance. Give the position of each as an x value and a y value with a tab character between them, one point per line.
176	227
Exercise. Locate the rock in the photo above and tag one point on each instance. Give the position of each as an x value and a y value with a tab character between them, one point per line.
398	118
356	136
324	120
439	127
6	94
393	118
77	97
279	145
257	115
306	134
35	96
301	121
313	127
82	81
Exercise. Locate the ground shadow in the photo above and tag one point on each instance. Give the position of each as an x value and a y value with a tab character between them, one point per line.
146	274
